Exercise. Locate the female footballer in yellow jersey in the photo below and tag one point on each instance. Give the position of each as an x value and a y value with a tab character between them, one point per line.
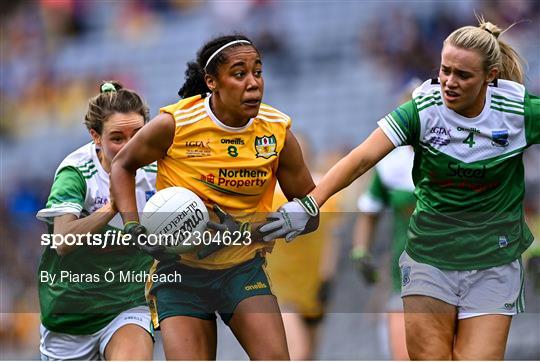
230	149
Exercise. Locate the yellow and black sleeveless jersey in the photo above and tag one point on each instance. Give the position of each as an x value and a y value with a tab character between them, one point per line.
232	167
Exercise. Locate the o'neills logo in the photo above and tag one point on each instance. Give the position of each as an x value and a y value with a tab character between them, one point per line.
186	221
472	129
259	285
232	141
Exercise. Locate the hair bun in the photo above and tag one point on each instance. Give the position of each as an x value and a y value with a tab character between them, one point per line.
110	86
107	87
491	28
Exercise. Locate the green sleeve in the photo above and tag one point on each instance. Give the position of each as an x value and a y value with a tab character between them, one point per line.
377	190
402	126
532	119
67	195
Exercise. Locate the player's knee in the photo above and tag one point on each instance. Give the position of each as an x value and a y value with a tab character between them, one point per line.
130	342
143	352
131	355
458	355
271	354
468	354
423	353
426	349
198	350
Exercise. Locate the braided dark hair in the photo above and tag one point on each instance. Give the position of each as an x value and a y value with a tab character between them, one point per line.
194	76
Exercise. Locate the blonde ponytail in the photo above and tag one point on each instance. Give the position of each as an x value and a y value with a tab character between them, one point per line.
496	53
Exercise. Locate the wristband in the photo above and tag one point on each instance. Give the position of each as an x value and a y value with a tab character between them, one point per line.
131	223
309	204
245	227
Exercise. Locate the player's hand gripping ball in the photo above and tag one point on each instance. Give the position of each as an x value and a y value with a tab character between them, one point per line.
173	217
138	234
227	226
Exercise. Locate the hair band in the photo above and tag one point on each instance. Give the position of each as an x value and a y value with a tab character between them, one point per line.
108	87
223	47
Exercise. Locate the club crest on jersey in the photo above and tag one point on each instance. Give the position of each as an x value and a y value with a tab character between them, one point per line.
503	241
266	146
499	138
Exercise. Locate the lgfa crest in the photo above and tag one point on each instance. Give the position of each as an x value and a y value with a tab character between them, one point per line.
266	146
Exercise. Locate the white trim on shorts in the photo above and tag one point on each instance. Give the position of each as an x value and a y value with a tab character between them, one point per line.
472	315
62	346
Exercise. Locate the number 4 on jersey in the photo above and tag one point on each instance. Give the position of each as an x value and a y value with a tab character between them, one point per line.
469	140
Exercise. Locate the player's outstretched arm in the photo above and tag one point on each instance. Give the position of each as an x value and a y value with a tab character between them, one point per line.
148	145
352	166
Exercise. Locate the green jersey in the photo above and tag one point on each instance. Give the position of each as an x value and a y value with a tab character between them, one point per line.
468	175
392	186
77	292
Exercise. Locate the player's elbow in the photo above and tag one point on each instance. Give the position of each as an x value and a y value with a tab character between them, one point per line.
124	161
63	234
63	249
118	163
360	161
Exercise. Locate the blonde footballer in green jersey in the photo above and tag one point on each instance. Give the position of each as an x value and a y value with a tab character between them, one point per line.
461	275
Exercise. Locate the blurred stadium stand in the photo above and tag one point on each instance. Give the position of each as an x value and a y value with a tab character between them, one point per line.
335	67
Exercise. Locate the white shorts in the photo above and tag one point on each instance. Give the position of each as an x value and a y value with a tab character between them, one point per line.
63	346
497	290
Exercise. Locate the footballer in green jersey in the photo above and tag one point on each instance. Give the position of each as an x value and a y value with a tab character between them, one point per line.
91	286
461	274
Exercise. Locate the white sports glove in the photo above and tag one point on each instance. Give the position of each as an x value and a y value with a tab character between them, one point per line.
290	219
